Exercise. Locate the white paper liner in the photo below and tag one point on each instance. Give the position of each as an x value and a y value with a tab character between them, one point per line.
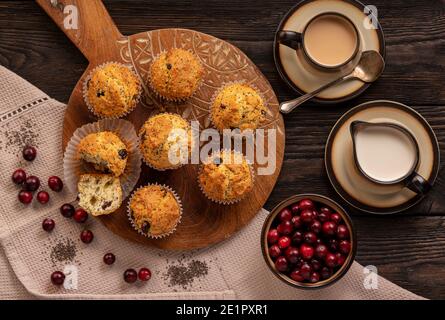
135	227
73	166
85	90
177	100
226	202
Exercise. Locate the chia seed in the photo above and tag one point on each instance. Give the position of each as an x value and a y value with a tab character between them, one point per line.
183	275
64	250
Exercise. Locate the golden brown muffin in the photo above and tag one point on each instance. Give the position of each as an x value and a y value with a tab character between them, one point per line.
105	150
158	136
176	74
112	91
225	177
154	210
238	106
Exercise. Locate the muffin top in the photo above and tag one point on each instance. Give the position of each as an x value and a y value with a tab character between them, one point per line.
158	135
225	176
112	90
106	150
238	106
154	210
176	74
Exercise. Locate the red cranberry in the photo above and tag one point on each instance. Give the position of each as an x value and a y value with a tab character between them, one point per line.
307	216
315	226
109	258
306	270
284	242
67	210
144	274
86	236
285	215
326	210
19	176
25	197
310	237
333	245
29	153
43	197
306	204
295	208
80	215
274	251
342	232
335	218
292	254
316	265
306	251
285	228
330	260
296	221
272	236
296	276
321	251
344	246
314	277
340	259
325	214
32	183
130	275
281	264
48	225
297	237
55	183
326	273
57	278
329	228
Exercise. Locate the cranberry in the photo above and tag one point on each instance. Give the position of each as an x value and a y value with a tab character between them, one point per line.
285	228
297	237
295	208
326	273
330	260
306	204
86	236
340	259
342	232
130	275
32	183
109	258
316	265
335	218
272	236
296	276
333	245
284	242
29	153
67	210
285	215
314	277
296	221
310	237
326	210
344	246
57	278
321	251
80	215
19	176
281	264
48	225
292	254
306	270
43	197
25	197
307	216
274	251
323	217
144	274
55	184
315	226
329	228
306	251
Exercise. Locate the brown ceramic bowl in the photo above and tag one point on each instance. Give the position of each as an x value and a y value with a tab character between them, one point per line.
318	199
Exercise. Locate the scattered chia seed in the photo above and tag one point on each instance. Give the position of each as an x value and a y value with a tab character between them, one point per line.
183	275
16	140
64	250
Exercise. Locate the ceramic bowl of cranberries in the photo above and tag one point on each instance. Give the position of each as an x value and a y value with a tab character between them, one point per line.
308	241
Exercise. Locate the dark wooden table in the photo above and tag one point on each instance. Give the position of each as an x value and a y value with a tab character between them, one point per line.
408	248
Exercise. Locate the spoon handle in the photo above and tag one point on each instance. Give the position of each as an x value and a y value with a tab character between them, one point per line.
288	106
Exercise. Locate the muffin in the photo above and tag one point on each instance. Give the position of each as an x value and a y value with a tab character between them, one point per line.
176	74
99	194
238	106
154	210
105	151
157	138
226	177
112	90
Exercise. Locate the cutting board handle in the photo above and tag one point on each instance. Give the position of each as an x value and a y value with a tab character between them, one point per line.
95	33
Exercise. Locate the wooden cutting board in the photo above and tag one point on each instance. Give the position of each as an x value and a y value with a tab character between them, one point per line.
204	223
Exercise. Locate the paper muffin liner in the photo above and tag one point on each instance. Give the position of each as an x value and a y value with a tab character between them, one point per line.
176	100
226	202
152	165
73	166
135	227
221	88
85	90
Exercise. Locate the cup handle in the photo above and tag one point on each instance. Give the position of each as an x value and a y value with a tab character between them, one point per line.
291	39
418	184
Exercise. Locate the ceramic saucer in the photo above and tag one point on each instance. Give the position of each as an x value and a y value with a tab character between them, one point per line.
352	186
301	76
